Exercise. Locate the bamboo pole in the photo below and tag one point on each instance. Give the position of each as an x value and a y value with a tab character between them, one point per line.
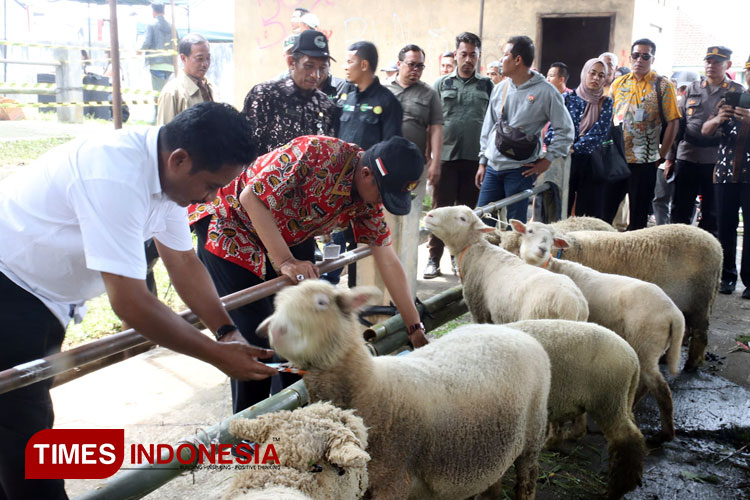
143	479
429	306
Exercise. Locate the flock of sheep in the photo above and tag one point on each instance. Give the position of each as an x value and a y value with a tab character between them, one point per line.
571	319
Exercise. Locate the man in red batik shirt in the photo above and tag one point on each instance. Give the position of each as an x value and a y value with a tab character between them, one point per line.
308	187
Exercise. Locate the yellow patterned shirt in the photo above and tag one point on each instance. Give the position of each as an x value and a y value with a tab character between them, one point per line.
636	107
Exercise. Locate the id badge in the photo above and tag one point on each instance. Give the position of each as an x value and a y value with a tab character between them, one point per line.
639	115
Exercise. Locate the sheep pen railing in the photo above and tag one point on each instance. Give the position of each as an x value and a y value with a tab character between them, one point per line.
384	338
79	361
107	351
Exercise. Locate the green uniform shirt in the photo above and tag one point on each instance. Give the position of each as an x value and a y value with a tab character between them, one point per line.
464	105
421	109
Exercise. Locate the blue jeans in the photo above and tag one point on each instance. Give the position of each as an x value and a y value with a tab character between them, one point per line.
498	185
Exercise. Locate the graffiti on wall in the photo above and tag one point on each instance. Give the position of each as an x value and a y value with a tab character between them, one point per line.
275	18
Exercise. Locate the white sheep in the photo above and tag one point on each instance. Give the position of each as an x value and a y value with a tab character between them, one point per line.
498	286
511	241
638	311
445	421
321	451
682	260
594	371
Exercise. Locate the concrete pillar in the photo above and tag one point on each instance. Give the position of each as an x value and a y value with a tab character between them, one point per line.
69	81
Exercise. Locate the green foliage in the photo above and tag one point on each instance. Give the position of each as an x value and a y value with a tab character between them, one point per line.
427	202
24	151
451	325
101	321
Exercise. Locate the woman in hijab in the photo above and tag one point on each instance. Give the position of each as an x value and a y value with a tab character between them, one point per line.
591	112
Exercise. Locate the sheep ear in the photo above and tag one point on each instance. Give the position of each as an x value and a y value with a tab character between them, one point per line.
482	227
356	298
347	454
262	330
518	226
560	242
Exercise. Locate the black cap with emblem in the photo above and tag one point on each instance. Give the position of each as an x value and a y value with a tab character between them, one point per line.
397	165
719	52
312	43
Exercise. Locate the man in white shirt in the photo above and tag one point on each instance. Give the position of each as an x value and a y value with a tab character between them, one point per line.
73	227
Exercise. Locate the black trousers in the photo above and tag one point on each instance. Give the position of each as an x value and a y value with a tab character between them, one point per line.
692	179
639	188
229	278
730	198
456	187
29	331
587	194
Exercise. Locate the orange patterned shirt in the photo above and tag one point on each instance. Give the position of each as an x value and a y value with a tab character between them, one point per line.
307	186
637	108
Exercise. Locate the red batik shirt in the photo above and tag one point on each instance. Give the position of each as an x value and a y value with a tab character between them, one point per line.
307	186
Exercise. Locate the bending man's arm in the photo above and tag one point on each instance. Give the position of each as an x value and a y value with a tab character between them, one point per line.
133	303
394	277
270	235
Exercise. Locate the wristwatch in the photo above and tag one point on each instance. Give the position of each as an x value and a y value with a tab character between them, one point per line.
223	330
413	328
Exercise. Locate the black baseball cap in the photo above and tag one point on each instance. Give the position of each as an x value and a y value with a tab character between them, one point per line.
719	52
312	43
397	166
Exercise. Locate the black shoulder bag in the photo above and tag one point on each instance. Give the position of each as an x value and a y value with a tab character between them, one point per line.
513	142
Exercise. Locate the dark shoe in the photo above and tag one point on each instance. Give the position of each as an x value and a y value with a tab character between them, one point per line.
727	286
454	266
746	293
432	270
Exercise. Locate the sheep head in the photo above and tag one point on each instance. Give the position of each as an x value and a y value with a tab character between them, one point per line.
320	448
314	323
458	227
537	241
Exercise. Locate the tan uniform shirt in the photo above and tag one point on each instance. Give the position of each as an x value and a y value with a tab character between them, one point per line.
179	94
700	103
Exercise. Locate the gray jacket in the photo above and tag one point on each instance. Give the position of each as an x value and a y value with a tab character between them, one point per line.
158	37
529	107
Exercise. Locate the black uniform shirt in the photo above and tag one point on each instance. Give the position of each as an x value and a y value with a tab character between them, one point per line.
279	111
369	117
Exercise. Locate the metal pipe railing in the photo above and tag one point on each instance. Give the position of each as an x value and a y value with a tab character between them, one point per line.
526	193
100	353
56	364
143	479
497	205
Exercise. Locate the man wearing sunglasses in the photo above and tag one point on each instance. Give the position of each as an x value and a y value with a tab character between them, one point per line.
639	107
423	125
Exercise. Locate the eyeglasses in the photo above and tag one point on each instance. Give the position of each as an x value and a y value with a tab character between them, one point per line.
636	55
417	66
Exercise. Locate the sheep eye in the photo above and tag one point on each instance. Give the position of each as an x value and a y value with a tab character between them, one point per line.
315	468
462	218
322	301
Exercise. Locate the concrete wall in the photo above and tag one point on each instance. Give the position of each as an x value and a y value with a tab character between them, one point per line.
262	25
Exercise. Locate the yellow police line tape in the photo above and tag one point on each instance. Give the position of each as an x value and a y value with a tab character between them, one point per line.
76	47
65	104
52	86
